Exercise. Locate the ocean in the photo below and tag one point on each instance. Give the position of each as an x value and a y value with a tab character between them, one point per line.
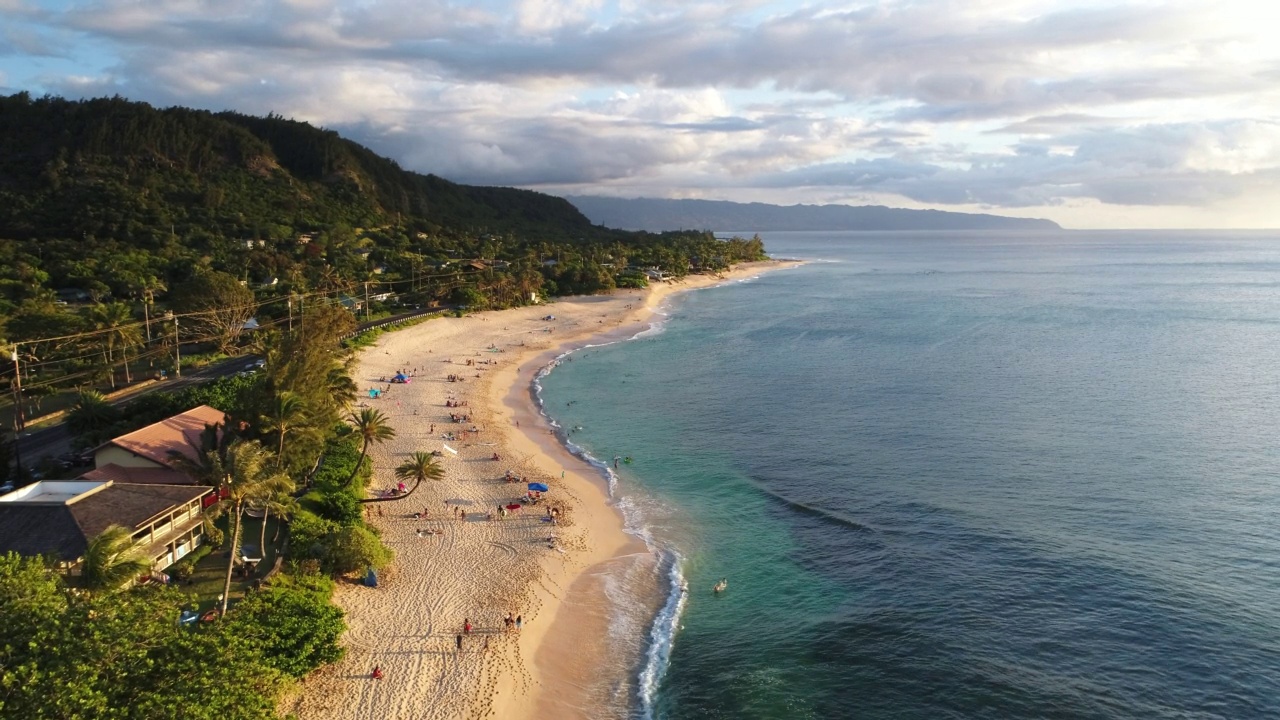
954	475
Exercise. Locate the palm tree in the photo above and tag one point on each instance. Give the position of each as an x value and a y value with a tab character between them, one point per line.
283	505
247	477
372	427
91	413
117	320
112	559
420	466
287	412
342	389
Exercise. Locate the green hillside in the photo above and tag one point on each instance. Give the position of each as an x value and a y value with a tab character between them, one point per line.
113	211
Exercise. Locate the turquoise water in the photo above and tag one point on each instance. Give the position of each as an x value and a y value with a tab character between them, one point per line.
957	476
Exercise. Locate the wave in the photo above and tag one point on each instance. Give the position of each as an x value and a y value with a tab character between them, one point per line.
662	631
662	634
806	508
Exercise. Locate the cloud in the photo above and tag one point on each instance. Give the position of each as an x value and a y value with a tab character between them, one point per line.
1005	103
1180	164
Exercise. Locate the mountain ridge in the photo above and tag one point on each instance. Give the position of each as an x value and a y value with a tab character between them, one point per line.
657	214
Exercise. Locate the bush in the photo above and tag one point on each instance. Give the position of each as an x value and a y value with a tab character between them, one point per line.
213	535
354	548
307	532
632	280
295	628
340	457
341	507
186	567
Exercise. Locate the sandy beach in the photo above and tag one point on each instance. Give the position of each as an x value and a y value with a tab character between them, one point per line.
468	563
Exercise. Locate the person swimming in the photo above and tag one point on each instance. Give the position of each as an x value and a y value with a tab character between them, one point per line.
721	586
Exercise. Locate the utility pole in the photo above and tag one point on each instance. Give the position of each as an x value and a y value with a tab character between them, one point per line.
289	303
177	349
147	299
19	417
366	301
177	346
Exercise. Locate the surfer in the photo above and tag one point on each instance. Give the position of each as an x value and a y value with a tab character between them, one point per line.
720	586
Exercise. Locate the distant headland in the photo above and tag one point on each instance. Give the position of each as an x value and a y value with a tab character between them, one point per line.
657	215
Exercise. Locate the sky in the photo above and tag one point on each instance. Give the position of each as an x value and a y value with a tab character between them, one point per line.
1119	114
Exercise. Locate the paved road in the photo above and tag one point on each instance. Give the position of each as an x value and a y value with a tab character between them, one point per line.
56	440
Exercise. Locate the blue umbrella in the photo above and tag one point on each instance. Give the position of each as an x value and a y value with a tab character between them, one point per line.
538	487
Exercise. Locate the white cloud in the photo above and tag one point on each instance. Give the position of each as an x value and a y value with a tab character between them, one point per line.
1010	104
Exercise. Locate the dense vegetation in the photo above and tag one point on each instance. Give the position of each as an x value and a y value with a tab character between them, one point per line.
114	214
89	646
94	656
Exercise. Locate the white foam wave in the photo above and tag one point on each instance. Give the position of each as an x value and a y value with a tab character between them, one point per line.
662	631
662	634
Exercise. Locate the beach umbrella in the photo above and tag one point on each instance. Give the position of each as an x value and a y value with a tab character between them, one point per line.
446	447
539	487
514	506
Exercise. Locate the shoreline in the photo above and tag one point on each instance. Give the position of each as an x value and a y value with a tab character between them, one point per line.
476	568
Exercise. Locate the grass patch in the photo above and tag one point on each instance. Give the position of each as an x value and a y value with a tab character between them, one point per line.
210	573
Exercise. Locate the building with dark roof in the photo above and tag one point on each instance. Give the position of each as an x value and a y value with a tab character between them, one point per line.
59	518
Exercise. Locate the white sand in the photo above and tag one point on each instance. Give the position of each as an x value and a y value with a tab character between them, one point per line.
480	569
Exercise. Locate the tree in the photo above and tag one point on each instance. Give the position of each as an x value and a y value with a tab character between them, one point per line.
287	412
214	305
341	387
372	427
78	656
119	331
91	413
247	476
112	559
420	466
297	630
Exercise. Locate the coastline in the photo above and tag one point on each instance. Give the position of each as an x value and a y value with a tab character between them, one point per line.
480	569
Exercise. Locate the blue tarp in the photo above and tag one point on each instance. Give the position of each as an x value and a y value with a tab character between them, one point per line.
371	578
539	487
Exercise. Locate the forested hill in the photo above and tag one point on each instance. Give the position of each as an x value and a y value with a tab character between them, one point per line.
654	215
111	201
110	168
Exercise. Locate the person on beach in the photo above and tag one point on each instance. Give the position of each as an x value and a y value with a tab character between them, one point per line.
458	643
519	622
377	672
466	626
507	622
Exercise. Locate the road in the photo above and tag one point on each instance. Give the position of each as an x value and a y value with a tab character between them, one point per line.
56	439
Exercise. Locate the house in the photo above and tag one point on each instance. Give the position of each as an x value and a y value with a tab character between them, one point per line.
154	449
70	295
351	303
59	518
